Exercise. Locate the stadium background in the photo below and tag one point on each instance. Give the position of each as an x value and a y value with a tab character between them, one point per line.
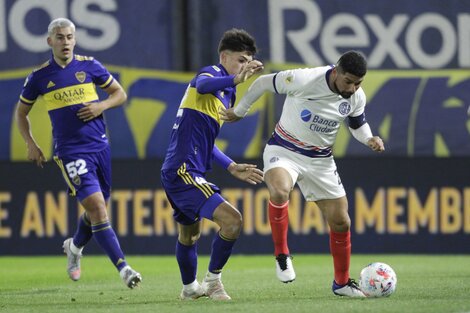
415	197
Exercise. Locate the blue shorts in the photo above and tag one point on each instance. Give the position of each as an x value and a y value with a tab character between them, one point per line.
190	195
87	173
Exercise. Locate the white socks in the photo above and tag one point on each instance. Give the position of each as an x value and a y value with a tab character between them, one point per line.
75	250
192	286
212	276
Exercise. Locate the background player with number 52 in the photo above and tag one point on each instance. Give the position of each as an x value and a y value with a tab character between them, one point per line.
67	82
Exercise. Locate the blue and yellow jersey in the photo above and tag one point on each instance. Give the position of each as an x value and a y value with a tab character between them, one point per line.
64	91
197	121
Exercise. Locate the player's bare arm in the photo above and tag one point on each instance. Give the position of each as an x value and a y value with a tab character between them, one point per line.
34	151
246	172
376	144
117	96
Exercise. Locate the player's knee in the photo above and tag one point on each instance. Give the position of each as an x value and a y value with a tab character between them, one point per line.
189	239
233	226
97	213
340	225
279	195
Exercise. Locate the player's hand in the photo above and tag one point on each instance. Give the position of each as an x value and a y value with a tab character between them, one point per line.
90	111
246	172
35	154
228	115
250	69
376	144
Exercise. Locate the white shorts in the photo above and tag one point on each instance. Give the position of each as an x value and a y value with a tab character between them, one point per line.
317	178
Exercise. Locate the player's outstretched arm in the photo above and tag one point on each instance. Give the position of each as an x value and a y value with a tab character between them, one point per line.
260	85
246	172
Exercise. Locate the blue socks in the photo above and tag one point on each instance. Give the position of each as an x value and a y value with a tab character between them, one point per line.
221	251
83	233
187	257
106	238
187	261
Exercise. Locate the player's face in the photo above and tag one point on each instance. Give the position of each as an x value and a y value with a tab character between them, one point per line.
235	61
62	43
346	84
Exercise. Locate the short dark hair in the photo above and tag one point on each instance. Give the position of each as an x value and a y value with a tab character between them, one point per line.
238	40
352	62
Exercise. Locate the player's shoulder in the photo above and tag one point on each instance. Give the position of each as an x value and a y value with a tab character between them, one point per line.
88	61
303	75
44	66
211	70
359	96
84	58
315	71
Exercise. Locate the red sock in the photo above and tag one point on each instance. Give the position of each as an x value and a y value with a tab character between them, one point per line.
279	220
340	247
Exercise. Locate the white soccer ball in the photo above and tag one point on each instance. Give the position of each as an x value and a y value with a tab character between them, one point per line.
378	280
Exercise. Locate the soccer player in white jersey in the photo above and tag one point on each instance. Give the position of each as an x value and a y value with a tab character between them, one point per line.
300	151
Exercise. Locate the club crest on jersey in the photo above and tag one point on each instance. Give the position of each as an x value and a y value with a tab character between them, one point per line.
274	159
344	108
80	76
76	180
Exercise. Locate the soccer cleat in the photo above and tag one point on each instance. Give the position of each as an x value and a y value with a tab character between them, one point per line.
130	277
192	294
73	260
284	268
350	289
214	289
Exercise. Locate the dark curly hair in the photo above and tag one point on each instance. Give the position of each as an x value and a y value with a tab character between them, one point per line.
352	62
238	40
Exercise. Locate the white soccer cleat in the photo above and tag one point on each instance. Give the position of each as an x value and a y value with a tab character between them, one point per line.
350	289
73	260
284	268
192	294
214	289
130	277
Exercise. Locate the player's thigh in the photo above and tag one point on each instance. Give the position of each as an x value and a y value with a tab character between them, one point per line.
278	180
225	213
229	219
95	206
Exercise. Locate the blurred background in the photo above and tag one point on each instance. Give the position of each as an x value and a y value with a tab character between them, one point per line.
415	197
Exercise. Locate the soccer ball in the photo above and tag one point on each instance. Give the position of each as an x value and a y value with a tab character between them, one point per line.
377	280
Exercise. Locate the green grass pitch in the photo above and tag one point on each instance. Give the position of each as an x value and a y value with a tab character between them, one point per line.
40	284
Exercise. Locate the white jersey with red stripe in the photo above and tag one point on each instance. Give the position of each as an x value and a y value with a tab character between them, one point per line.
312	112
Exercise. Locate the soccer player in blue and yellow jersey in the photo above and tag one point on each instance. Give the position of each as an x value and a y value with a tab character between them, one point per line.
67	84
189	158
